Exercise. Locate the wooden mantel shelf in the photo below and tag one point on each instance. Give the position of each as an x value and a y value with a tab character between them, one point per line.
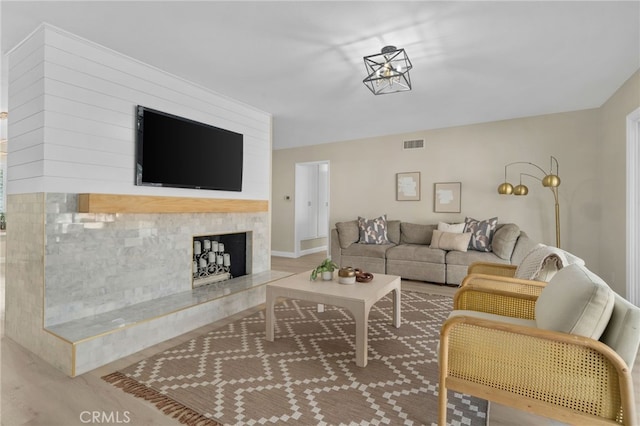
114	203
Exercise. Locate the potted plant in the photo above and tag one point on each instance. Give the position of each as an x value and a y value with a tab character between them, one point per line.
325	269
3	222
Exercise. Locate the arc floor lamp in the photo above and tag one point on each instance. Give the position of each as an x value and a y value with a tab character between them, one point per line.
549	180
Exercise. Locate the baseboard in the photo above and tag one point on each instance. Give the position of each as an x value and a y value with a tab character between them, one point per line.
283	254
313	250
292	255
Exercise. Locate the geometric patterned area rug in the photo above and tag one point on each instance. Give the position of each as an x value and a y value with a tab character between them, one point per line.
308	375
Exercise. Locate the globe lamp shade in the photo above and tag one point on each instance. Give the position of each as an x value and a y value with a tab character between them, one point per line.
520	190
505	189
552	181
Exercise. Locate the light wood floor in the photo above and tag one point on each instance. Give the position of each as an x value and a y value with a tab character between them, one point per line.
34	393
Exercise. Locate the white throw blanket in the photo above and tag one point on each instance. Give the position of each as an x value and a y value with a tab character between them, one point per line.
543	262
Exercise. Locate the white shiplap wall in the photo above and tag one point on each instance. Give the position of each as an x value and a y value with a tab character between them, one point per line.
25	159
72	119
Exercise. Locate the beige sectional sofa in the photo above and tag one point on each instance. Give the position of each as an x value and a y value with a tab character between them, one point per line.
409	253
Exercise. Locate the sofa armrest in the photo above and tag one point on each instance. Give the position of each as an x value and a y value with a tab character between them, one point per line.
490	268
493	294
523	246
336	250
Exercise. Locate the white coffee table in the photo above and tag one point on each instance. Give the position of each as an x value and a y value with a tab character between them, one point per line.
357	298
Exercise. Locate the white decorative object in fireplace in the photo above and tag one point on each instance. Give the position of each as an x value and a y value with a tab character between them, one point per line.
219	258
210	262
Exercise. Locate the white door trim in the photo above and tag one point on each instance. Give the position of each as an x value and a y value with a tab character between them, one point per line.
633	207
296	234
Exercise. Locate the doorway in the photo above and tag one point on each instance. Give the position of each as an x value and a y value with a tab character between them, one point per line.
311	208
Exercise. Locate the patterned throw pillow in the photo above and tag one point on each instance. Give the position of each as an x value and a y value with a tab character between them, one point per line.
373	231
481	233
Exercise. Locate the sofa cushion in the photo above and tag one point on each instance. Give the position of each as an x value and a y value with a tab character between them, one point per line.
393	231
416	253
524	245
621	333
575	301
373	231
412	233
504	240
348	233
451	227
450	240
466	259
367	250
482	232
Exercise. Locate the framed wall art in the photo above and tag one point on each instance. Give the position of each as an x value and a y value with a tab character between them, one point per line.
446	197
408	186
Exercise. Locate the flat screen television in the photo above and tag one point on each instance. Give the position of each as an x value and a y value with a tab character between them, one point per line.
177	152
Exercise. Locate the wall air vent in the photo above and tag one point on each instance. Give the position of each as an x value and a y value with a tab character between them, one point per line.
413	144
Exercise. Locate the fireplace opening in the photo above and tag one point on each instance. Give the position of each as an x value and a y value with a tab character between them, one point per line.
220	257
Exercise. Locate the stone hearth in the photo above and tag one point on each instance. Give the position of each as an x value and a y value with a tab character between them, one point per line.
94	287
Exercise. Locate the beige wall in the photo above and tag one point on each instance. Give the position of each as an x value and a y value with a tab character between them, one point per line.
612	156
313	244
362	177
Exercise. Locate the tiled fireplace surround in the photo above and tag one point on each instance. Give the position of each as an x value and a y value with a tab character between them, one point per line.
84	289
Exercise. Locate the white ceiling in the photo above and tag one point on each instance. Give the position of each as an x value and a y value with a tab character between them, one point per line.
302	61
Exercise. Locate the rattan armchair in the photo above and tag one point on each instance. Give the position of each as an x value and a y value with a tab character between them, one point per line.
562	376
498	295
489	268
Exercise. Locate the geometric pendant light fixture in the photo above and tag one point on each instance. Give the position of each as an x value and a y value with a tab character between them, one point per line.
388	71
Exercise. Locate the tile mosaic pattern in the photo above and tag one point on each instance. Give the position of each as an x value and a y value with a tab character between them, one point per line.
78	272
24	281
96	263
